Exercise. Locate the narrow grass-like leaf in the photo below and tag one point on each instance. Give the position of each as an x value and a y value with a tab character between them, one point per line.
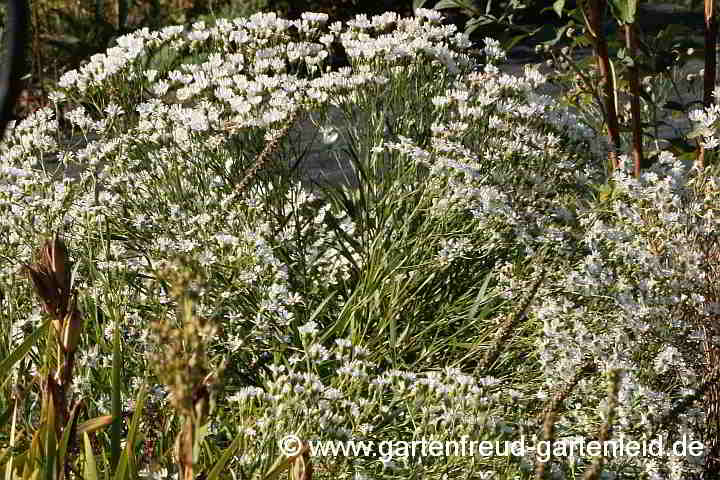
479	298
67	431
7	364
50	453
90	465
316	313
121	467
132	431
225	458
9	466
95	424
116	428
280	466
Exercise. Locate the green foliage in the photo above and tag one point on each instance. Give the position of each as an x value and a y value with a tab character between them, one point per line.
510	21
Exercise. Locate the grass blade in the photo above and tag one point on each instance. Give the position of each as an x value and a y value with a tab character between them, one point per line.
116	428
225	457
9	467
95	424
132	432
50	440
90	465
7	364
122	467
67	432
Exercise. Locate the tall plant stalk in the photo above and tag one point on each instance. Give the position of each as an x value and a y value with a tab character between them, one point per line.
594	20
711	32
634	80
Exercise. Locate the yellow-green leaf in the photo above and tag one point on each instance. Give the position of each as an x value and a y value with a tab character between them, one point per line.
90	465
95	424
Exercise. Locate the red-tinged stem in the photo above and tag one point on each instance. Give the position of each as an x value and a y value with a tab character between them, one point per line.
595	20
634	77
711	32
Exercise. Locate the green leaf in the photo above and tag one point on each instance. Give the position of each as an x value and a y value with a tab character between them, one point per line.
122	467
672	105
507	45
624	10
559	35
116	429
50	439
132	431
282	464
9	466
316	313
444	4
90	465
19	353
225	458
558	6
680	146
68	429
479	299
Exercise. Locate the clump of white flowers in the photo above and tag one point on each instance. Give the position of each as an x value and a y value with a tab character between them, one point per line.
139	160
631	282
361	402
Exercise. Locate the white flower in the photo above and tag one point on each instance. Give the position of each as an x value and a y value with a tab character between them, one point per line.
314	17
710	142
114	110
329	134
431	15
309	329
493	50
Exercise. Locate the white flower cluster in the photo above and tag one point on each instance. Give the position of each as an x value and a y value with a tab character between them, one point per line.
157	151
493	132
151	151
359	400
706	125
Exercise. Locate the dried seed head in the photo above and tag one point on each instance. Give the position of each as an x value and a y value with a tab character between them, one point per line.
54	256
51	277
181	341
44	287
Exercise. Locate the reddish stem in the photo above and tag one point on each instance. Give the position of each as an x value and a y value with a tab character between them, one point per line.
634	78
597	9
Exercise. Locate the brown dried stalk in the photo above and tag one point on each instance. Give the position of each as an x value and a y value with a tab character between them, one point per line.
553	409
612	399
269	149
50	275
508	327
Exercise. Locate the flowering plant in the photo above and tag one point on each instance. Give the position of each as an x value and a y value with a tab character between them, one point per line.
479	274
